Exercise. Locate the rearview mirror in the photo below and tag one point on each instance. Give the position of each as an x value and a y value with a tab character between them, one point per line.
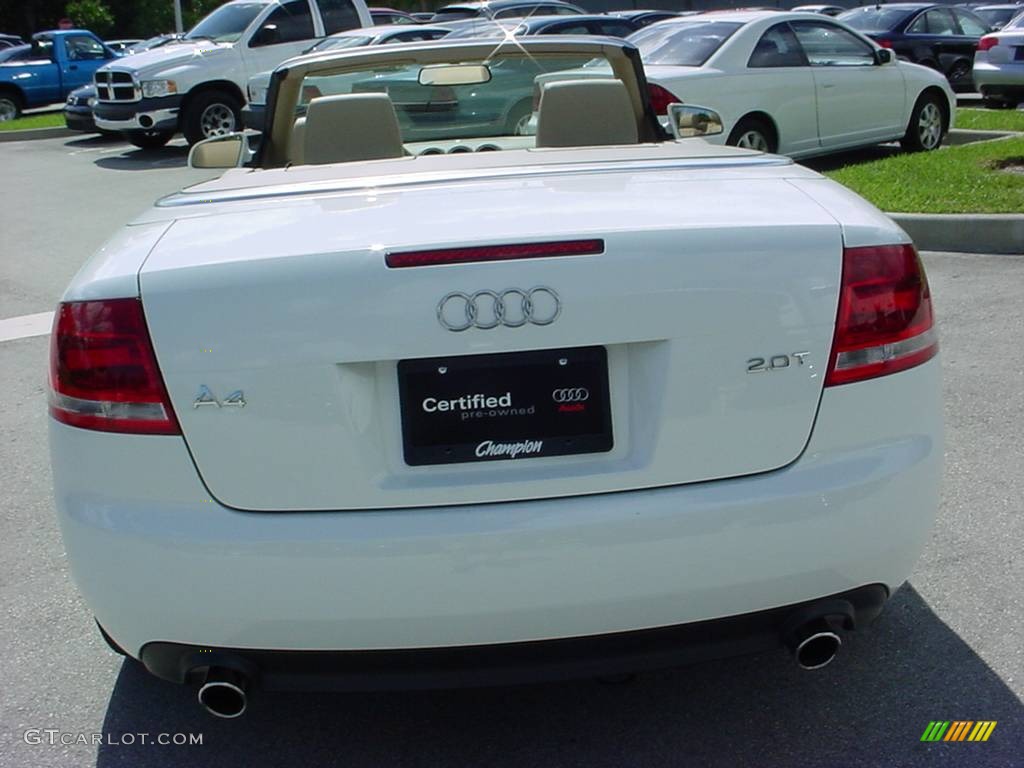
883	56
228	151
455	74
687	121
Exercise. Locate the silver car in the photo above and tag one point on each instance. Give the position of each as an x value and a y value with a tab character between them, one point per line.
999	65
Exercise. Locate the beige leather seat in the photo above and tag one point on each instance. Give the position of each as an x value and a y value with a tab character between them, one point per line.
585	113
351	127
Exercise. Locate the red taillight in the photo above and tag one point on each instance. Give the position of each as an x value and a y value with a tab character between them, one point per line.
494	253
988	41
103	373
884	323
661	98
885	43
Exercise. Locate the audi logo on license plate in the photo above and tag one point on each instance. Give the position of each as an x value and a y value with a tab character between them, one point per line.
571	395
512	308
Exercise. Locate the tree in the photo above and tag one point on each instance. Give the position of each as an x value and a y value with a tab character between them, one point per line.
92	15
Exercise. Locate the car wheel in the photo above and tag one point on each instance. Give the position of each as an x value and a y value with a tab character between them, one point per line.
927	125
210	114
960	74
150	139
752	133
518	120
10	107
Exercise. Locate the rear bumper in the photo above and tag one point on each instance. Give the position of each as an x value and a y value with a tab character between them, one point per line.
506	663
158	560
1007	76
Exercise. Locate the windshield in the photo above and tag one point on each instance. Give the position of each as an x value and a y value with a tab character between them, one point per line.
227	23
496	98
995	17
873	18
683	44
337	43
1017	23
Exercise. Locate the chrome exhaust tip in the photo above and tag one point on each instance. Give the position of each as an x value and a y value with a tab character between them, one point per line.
817	650
223	693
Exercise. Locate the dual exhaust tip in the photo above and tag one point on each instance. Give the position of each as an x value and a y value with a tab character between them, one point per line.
224	693
812	641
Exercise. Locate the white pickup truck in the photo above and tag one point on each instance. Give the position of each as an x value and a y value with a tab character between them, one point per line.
198	86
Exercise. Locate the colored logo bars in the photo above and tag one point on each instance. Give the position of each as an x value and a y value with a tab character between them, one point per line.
958	730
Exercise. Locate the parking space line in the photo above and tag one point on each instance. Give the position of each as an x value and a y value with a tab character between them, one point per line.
27	325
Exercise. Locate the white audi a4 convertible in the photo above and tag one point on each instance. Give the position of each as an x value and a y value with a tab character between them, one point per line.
413	400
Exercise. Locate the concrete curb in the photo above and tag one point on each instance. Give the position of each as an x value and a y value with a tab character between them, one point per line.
31	134
965	233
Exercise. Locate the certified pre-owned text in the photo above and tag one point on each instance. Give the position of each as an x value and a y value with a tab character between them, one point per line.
468	403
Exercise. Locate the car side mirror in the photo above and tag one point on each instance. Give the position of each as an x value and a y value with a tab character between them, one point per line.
229	151
883	56
687	121
268	34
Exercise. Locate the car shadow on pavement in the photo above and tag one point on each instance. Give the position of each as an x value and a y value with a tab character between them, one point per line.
839	160
870	707
89	140
132	159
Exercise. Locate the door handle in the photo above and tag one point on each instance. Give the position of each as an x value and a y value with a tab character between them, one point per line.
828	85
72	66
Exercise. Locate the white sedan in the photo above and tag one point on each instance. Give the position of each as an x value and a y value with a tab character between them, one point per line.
999	65
798	84
576	403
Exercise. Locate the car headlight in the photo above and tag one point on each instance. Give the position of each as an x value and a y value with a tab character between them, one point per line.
152	89
258	94
91	102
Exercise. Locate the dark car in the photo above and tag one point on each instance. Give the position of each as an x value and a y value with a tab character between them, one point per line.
644	18
610	26
938	36
78	110
504	9
391	16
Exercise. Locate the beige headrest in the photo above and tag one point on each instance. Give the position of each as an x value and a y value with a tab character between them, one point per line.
358	126
585	113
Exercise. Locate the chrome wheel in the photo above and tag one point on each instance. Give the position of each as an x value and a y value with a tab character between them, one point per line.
522	125
217	120
8	109
753	140
929	125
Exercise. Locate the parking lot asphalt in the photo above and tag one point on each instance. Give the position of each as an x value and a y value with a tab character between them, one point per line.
950	645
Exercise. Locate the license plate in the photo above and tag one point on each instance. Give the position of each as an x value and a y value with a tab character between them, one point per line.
520	405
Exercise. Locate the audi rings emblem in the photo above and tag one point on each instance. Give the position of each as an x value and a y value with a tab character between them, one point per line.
512	308
571	395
